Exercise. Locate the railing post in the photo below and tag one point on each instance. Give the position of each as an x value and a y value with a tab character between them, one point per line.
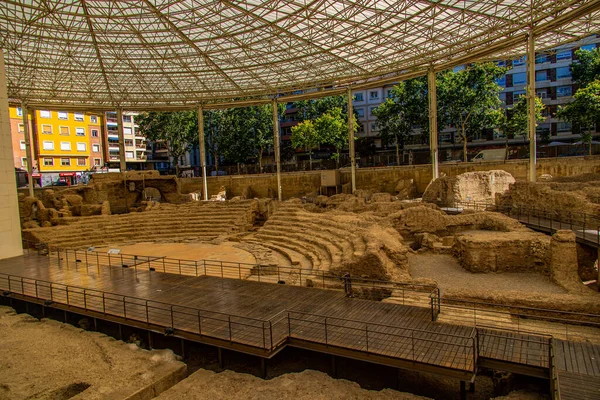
172	319
271	333
103	303
326	342
109	263
323	275
98	261
367	336
289	325
259	272
67	255
196	267
84	301
86	260
124	308
36	289
240	272
147	313
230	333
412	344
179	267
67	292
164	268
221	269
204	261
300	269
199	324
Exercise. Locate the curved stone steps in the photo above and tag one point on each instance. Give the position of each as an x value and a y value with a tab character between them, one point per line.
84	243
294	245
331	250
359	244
296	259
340	239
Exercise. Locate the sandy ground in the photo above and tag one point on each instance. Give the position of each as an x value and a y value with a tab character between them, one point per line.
306	385
450	275
50	360
224	251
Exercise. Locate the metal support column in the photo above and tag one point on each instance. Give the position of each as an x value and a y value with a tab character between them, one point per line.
531	106
276	147
28	148
122	163
433	133
351	140
202	150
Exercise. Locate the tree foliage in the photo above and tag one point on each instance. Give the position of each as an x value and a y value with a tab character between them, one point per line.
398	115
584	110
178	130
587	67
469	99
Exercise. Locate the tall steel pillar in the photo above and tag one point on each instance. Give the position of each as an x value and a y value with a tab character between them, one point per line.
531	106
122	163
433	133
351	140
276	147
202	150
28	148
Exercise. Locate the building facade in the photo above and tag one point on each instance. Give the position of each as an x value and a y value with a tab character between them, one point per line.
65	144
135	143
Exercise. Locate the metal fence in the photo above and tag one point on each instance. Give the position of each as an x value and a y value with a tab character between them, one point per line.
373	289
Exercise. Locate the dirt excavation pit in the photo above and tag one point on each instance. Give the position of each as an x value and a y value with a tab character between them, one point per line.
451	276
46	359
225	251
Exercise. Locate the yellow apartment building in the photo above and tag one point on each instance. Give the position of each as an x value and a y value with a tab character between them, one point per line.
65	144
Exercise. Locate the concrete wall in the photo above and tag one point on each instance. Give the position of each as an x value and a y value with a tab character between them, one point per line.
297	184
10	228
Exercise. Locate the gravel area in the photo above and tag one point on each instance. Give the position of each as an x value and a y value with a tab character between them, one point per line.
449	275
46	359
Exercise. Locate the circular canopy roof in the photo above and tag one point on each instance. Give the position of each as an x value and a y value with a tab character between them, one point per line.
143	54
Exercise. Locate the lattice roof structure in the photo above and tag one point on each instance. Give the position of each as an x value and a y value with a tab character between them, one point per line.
145	54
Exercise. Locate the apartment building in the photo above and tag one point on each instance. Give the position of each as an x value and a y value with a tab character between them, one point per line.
135	143
554	85
65	144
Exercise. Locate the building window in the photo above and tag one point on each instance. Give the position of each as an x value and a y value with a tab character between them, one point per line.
81	146
63	115
127	131
563	126
48	145
360	112
49	162
588	47
563	55
78	116
22	145
389	93
66	146
21	128
519	61
65	162
80	131
564	91
97	162
19	112
519	78
47	129
94	119
23	161
45	114
94	132
374	95
373	126
126	118
541	76
501	81
563	72
541	58
64	130
542	94
129	154
517	95
96	148
81	162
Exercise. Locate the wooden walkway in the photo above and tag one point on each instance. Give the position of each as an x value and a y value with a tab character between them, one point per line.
261	318
578	370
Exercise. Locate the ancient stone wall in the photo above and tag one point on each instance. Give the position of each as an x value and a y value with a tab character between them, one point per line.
298	184
480	186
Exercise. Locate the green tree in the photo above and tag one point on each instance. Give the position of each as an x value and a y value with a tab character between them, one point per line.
587	67
469	99
515	120
397	116
237	136
213	137
333	128
313	109
262	125
179	130
584	111
305	135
